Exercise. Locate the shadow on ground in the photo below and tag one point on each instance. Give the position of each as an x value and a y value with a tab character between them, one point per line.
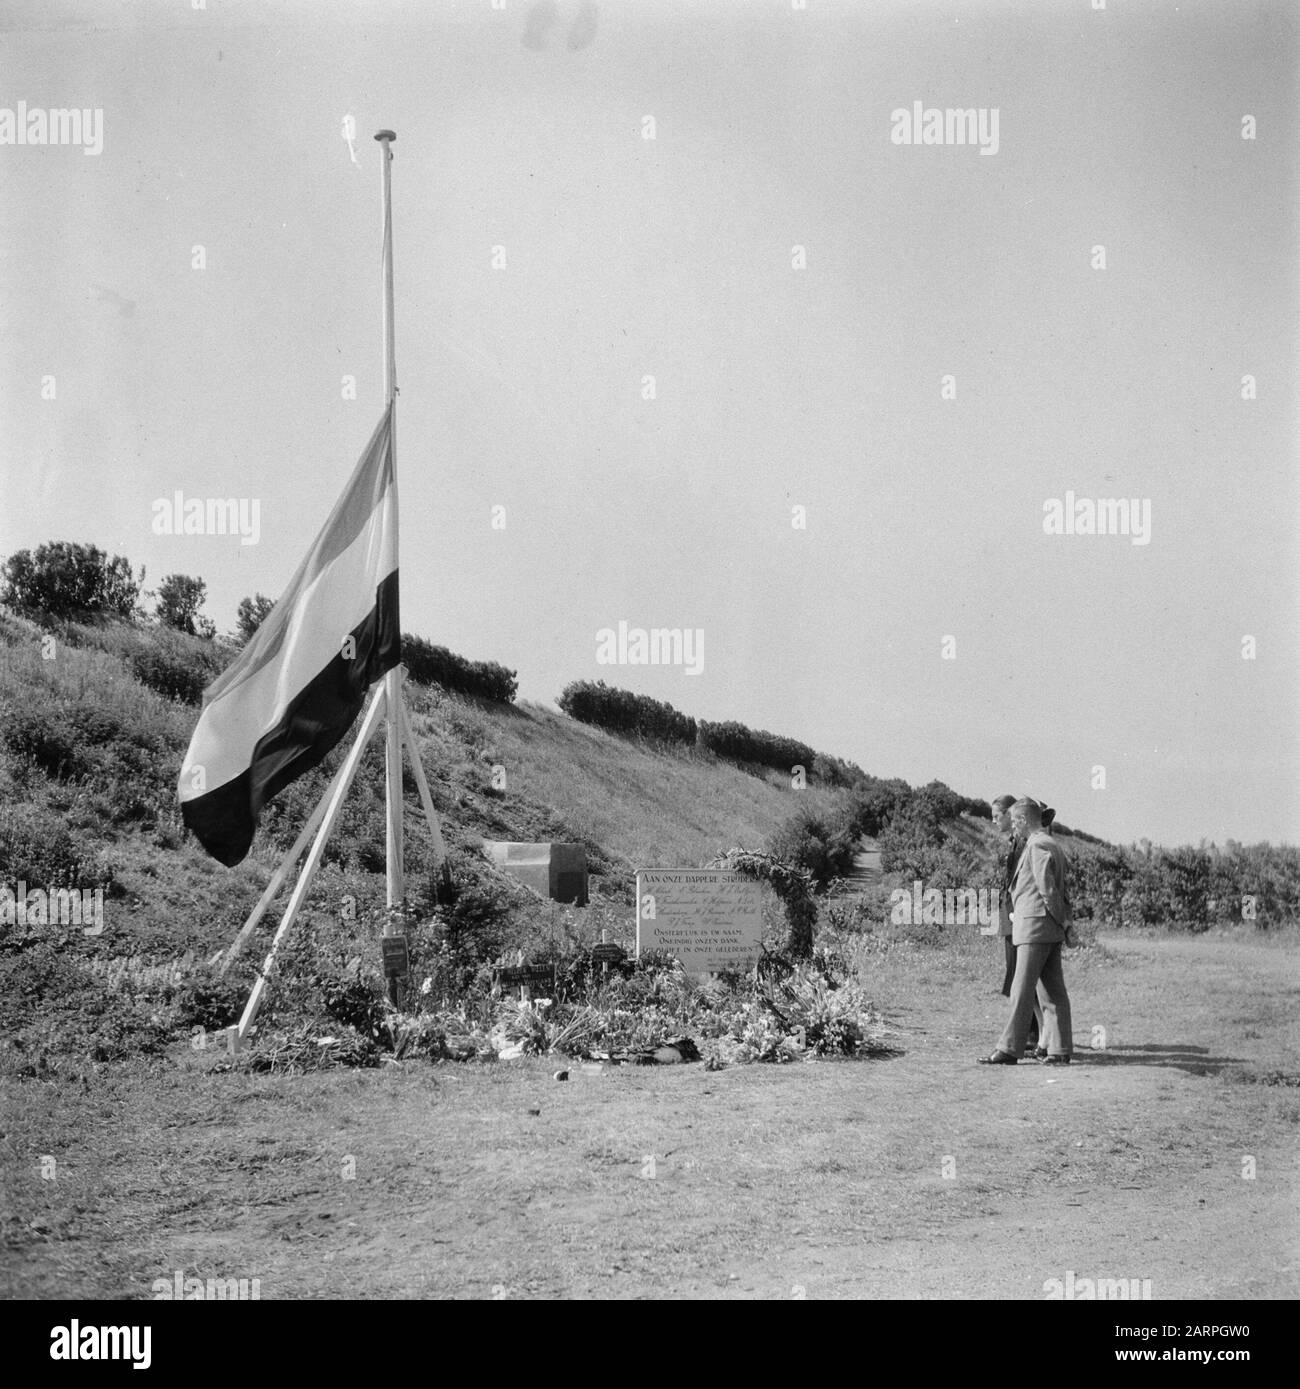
1181	1056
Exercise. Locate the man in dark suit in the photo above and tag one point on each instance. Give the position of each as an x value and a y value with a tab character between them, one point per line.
1040	918
1014	847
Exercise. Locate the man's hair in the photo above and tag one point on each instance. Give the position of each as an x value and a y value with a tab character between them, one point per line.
1003	803
1029	808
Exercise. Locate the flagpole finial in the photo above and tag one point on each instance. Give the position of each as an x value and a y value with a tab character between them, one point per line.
385	135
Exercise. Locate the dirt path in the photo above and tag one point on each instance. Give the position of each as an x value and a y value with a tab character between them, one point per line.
923	1175
866	871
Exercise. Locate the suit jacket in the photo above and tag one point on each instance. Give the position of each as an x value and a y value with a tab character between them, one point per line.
1041	905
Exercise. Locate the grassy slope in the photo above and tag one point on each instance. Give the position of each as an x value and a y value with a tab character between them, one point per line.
647	805
632	804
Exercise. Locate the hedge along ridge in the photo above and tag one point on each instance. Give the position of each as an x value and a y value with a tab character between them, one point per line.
621	711
427	664
737	743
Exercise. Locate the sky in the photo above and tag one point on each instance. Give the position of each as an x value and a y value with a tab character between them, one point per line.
677	304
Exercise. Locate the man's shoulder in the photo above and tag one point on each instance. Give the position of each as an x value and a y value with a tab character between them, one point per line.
1049	844
1044	843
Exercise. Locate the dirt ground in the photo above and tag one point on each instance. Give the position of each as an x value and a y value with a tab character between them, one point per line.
1170	1155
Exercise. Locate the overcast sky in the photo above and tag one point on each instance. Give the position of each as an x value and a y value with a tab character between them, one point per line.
780	379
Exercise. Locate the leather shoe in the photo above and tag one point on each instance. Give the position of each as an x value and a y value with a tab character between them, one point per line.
999	1058
1056	1061
1040	1052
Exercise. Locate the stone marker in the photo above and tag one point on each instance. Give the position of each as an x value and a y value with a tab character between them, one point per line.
711	919
557	871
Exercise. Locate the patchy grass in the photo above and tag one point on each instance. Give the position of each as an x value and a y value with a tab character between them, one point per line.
825	1177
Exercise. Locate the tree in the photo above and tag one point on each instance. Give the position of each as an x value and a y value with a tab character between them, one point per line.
70	580
822	845
179	599
252	613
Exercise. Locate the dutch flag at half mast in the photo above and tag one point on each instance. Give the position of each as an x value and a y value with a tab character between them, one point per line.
297	686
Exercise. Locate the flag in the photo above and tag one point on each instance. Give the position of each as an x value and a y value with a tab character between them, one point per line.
295	689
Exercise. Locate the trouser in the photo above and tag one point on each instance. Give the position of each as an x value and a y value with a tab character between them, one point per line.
1010	972
1036	1024
1039	975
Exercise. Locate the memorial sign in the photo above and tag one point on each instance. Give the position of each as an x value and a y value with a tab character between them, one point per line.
711	919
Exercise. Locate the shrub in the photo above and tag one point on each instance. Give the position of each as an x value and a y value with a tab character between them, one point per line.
209	1001
737	743
912	845
46	739
127	767
176	675
427	664
37	848
170	662
622	711
935	803
876	802
835	771
64	579
818	843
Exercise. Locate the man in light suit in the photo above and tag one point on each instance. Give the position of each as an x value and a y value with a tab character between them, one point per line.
1039	922
1015	844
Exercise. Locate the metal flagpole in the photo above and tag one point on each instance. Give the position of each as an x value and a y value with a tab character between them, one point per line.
393	679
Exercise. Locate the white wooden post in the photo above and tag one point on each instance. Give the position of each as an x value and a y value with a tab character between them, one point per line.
279	876
336	798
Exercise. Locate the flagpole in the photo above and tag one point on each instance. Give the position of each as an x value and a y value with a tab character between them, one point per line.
393	679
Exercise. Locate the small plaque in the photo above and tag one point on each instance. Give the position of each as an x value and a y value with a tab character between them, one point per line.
608	953
397	956
531	975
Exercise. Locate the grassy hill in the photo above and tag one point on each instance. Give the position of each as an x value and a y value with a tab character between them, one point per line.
90	754
643	805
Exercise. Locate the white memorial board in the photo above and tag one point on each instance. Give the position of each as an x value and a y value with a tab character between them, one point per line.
710	918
